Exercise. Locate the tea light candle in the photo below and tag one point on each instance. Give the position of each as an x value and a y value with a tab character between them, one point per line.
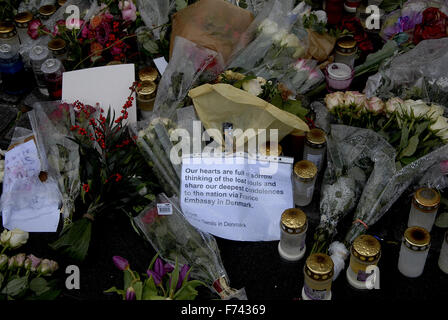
318	271
365	251
293	227
425	203
414	251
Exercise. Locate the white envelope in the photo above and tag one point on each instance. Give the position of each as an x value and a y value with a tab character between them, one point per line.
109	86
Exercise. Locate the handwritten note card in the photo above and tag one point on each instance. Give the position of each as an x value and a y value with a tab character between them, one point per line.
28	203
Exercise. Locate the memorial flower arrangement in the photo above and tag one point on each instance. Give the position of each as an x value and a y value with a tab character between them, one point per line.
162	281
112	174
368	169
23	276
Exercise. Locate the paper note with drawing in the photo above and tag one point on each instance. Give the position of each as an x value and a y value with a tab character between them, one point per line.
28	203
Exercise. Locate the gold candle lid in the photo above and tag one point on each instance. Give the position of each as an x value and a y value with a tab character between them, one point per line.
23	18
417	238
148	74
426	199
294	221
47	10
146	90
319	267
298	133
305	170
266	149
56	44
7	30
61	2
316	137
346	45
366	248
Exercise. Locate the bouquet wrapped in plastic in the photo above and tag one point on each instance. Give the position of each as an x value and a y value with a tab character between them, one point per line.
59	154
175	238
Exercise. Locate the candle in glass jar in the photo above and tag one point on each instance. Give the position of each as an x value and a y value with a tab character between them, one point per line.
38	55
52	70
305	173
365	252
8	35
58	49
293	226
318	277
425	203
146	96
414	251
14	78
346	51
271	149
148	74
46	11
315	147
338	76
443	258
22	21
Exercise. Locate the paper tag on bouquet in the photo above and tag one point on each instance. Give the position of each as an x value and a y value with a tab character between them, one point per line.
164	209
237	198
30	201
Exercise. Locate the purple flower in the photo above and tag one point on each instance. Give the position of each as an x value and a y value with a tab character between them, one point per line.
159	271
130	294
121	263
35	262
183	272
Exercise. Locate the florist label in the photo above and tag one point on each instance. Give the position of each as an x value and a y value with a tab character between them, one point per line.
239	200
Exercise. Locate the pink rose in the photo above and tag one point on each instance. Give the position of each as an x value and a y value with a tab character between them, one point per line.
356	98
56	30
375	105
128	10
334	99
33	28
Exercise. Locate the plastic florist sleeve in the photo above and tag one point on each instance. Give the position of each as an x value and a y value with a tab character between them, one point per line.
51	122
175	238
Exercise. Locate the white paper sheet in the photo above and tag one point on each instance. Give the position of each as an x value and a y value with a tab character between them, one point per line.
28	203
161	64
233	201
108	86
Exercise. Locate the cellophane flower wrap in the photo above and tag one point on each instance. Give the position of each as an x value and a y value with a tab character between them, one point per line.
278	43
175	238
51	121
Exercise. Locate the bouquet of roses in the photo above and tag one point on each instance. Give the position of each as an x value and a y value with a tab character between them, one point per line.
113	174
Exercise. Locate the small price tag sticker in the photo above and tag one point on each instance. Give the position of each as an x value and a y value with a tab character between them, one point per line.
164	209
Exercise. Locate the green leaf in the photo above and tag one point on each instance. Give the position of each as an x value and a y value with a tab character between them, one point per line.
138	287
174	279
277	101
39	285
127	278
151	46
149	289
16	286
153	261
188	290
47	295
181	4
75	240
408	160
411	147
404	137
295	107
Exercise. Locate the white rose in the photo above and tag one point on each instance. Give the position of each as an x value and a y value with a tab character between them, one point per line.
394	104
321	16
279	35
375	105
418	108
4	237
440	127
268	27
253	87
334	99
18	238
356	98
435	111
290	41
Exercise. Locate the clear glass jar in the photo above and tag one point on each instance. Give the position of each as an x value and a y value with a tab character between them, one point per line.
318	277
414	251
443	258
58	49
294	143
346	51
146	97
315	147
15	80
38	55
365	252
425	203
8	35
53	70
22	21
293	226
305	173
